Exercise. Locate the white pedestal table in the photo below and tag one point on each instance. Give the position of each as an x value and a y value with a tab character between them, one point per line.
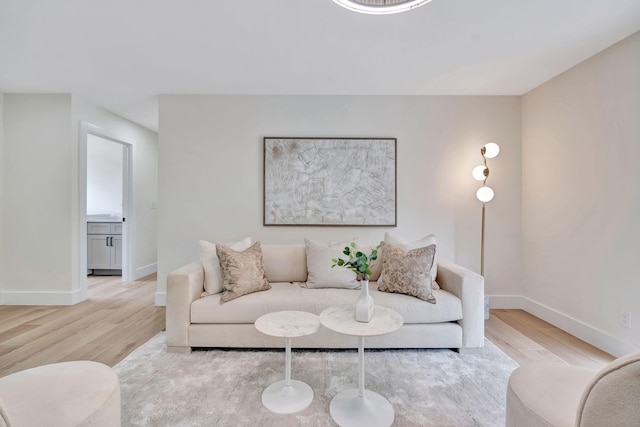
287	396
361	407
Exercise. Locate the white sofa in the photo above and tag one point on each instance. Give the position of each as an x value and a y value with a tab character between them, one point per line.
455	321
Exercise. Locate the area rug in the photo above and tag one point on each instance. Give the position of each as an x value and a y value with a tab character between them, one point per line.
224	387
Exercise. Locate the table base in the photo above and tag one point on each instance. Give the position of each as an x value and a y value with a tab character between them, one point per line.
347	408
283	399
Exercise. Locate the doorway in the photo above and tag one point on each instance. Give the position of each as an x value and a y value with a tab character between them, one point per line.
105	201
105	205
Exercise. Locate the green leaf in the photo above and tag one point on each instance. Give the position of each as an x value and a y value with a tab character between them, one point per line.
357	261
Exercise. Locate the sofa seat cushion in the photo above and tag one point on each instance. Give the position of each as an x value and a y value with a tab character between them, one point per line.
291	296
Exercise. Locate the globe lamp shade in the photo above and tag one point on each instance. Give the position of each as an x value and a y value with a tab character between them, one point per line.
478	173
491	150
484	194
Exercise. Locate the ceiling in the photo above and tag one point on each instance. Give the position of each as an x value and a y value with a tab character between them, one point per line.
120	54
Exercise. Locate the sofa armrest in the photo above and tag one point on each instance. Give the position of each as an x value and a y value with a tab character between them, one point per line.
469	287
184	286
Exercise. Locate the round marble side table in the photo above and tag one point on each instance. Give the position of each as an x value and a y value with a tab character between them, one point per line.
287	396
360	407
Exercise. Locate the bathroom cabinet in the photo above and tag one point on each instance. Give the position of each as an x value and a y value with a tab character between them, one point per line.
104	247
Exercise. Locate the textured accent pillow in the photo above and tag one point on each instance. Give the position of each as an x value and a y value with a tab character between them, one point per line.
242	272
407	272
320	273
211	264
401	243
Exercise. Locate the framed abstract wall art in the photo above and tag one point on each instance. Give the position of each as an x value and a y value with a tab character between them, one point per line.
330	181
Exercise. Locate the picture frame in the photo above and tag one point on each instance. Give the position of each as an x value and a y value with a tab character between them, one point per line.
315	181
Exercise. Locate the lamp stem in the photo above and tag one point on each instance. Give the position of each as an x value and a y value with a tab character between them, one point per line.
482	245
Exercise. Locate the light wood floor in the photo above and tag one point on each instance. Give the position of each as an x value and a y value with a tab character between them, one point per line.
120	316
117	318
527	339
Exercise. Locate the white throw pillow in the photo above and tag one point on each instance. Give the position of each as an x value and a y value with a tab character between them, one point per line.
407	246
320	273
211	264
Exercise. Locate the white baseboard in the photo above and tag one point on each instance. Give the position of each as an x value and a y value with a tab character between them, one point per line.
42	298
575	327
145	271
161	299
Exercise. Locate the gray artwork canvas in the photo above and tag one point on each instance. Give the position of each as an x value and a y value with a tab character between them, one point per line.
328	181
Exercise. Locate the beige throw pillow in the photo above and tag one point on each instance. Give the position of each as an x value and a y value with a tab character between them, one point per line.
405	245
320	273
407	272
242	272
211	264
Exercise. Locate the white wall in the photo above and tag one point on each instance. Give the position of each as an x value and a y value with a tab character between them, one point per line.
104	176
211	155
581	197
41	229
36	261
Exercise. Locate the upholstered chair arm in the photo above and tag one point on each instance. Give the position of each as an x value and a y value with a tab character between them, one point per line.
613	396
184	286
469	287
4	417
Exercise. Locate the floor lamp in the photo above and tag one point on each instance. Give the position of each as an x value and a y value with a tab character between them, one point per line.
484	193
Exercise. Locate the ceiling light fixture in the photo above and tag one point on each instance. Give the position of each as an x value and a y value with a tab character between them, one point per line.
380	7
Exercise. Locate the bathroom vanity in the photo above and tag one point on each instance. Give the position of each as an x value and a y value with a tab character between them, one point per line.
104	247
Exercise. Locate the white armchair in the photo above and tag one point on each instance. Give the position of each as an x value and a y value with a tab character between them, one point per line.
81	393
554	394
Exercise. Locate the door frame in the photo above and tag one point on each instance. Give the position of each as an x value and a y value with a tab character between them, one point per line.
128	225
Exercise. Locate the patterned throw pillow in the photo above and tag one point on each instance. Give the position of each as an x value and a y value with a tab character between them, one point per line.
242	272
405	245
211	264
407	272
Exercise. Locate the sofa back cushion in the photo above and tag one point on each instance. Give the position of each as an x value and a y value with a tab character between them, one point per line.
285	262
288	262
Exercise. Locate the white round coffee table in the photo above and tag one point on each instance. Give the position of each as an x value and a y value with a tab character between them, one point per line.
360	407
287	396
